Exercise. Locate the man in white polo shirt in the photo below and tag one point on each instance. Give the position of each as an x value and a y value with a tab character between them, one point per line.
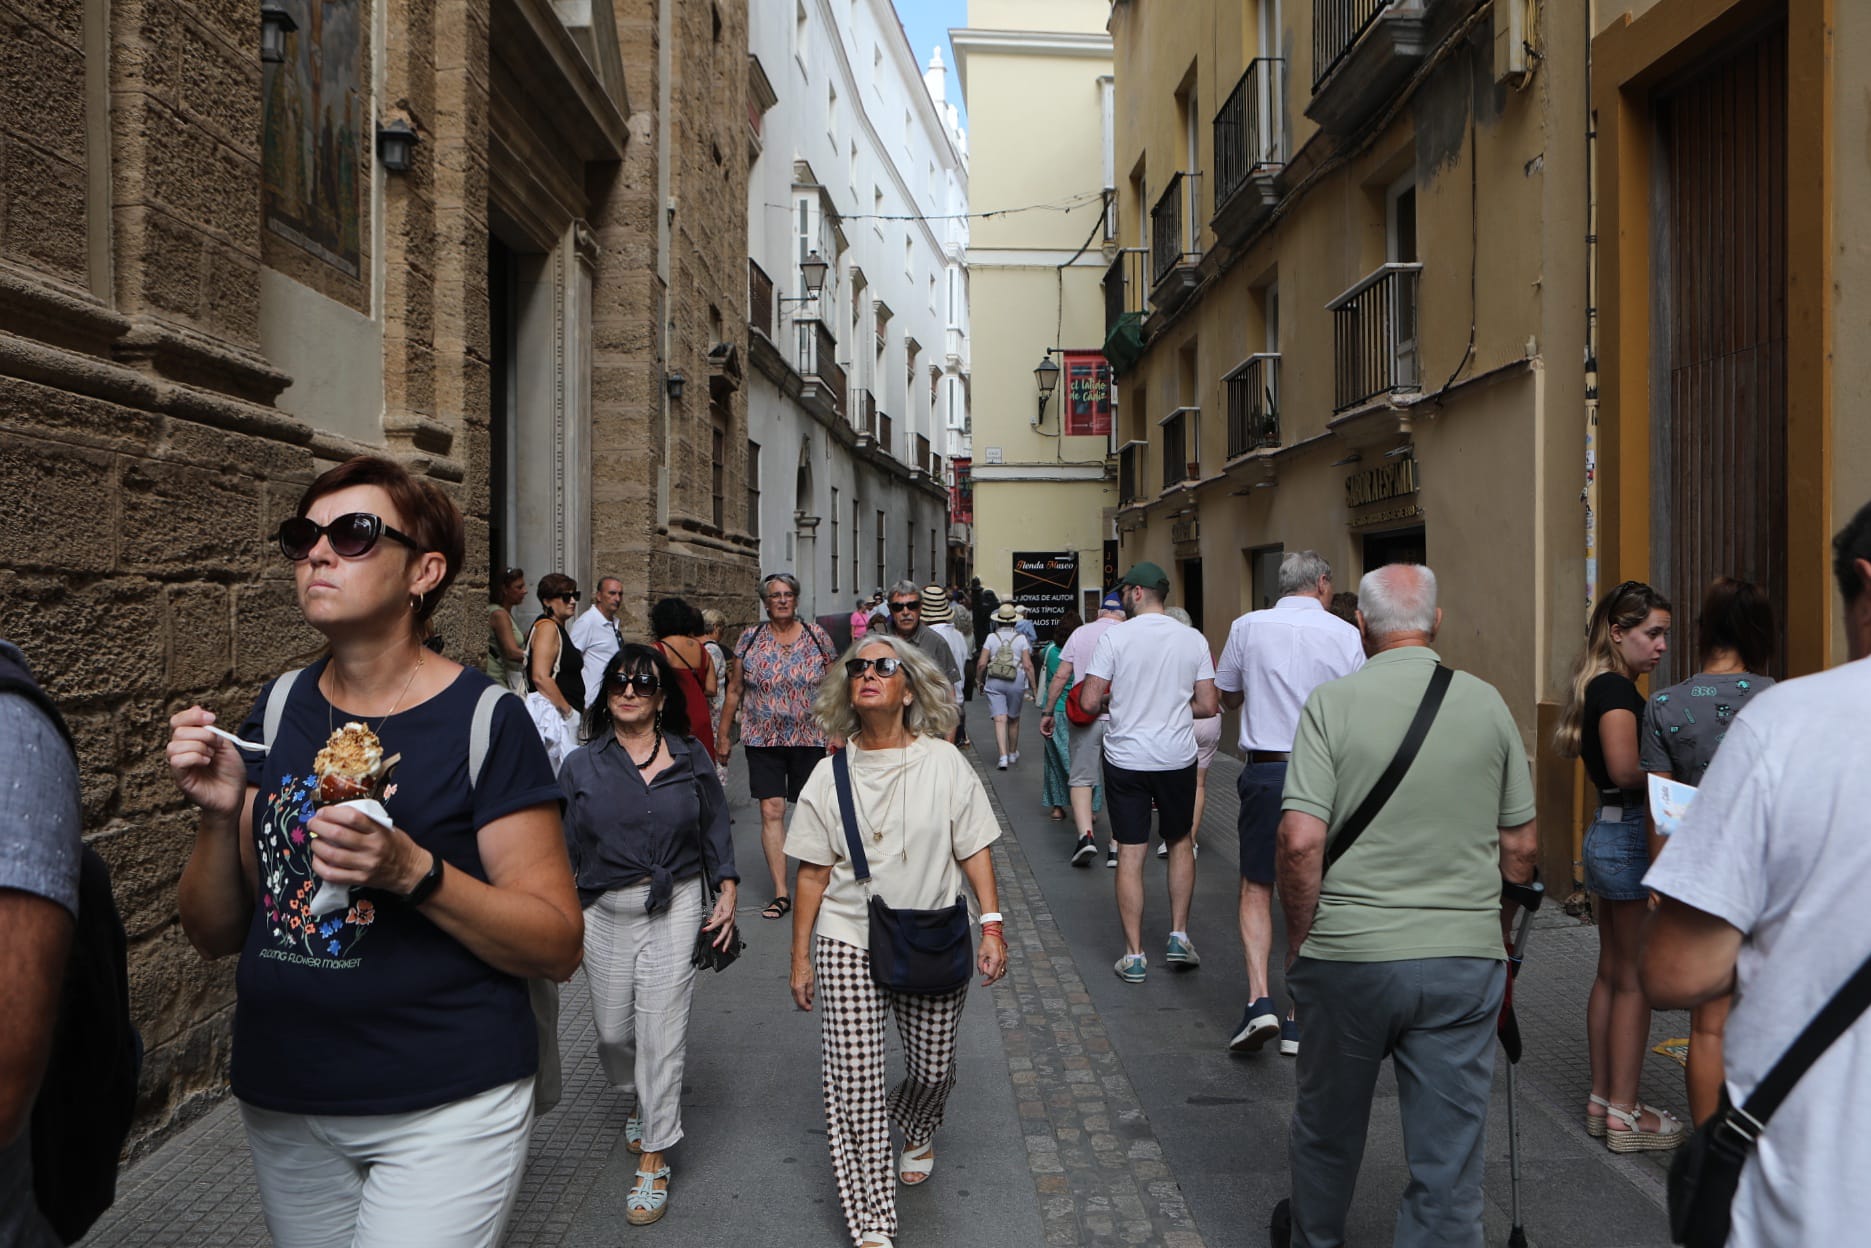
1159	680
1273	661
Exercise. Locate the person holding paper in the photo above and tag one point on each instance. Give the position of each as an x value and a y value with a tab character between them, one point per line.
1683	725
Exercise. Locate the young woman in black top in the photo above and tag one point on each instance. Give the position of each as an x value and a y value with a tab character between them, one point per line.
1628	637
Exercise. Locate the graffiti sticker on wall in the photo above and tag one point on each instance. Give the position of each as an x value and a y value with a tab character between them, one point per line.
313	113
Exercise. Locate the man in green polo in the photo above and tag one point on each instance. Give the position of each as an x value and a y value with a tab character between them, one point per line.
1398	949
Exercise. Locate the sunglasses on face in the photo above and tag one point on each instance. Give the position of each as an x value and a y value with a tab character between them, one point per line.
571	597
885	668
351	535
906	606
645	683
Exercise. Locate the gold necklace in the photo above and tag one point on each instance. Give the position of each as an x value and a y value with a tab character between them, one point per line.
331	708
890	799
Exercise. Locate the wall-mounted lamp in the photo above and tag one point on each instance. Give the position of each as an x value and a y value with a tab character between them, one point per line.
1047	376
812	270
673	381
275	24
396	145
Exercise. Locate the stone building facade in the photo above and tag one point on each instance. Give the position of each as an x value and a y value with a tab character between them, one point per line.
212	287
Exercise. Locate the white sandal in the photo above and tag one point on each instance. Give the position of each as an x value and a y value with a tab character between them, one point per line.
875	1239
908	1163
1669	1133
1595	1123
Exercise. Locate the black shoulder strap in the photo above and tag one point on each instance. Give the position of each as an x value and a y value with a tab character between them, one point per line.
1828	1025
848	811
1399	766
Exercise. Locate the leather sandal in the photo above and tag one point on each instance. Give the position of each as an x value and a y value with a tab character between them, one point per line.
914	1170
647	1202
633	1134
1669	1133
778	908
875	1239
1595	1123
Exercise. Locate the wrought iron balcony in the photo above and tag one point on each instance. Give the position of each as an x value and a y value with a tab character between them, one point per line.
1126	299
1253	392
1181	446
884	432
1336	26
1250	129
818	360
759	299
863	412
1130	472
1173	240
1364	51
923	457
1374	337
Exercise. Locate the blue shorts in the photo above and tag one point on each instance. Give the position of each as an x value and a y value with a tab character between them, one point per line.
1260	787
1617	853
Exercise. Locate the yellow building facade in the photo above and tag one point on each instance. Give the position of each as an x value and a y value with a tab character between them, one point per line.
1037	75
1347	313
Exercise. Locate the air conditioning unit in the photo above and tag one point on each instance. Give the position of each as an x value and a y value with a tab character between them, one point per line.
1512	25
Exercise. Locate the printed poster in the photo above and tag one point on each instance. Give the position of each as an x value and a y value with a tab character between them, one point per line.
313	116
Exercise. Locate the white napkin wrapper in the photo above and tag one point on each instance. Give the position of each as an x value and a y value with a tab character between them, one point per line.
331	896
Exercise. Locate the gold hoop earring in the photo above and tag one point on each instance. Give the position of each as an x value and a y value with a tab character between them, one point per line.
415	603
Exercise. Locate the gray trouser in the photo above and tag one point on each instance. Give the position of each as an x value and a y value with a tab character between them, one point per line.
1435	1017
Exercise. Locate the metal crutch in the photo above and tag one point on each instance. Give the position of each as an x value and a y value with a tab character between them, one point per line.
1528	897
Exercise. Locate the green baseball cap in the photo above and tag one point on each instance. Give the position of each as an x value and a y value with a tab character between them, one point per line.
1147	576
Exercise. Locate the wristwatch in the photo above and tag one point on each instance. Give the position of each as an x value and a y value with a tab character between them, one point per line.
426	886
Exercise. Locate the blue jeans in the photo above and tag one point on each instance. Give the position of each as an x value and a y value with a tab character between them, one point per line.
1616	854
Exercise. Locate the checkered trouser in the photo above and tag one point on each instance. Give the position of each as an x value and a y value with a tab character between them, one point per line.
858	1116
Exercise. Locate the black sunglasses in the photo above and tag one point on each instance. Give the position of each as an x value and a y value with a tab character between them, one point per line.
351	535
647	684
907	606
571	597
886	668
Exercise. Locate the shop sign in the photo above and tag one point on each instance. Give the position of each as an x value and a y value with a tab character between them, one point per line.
1382	482
1087	394
1046	584
1185	531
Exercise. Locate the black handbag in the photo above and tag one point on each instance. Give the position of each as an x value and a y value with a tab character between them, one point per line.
925	953
708	957
1707	1169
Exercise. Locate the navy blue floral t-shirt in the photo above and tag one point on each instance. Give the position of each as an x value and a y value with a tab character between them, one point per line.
372	1009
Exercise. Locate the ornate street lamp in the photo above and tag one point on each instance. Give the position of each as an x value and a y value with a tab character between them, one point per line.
275	24
1047	375
673	381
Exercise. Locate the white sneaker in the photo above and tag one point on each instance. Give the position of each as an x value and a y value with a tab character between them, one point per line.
1110	859
1013	757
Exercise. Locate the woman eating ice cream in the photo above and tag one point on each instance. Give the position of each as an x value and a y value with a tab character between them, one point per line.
384	1050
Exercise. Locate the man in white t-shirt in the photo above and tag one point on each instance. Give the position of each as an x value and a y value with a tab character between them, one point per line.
1085	744
1762	895
1158	679
596	636
1273	661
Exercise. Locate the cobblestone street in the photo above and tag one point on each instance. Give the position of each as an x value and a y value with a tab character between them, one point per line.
1088	1111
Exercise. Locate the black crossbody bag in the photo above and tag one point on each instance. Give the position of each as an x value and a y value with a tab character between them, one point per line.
925	953
1707	1170
1375	800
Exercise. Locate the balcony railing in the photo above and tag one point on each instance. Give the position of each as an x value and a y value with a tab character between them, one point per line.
1250	129
1336	27
818	358
1374	337
922	455
1172	239
760	299
863	411
1130	472
1180	451
1253	392
1125	293
884	434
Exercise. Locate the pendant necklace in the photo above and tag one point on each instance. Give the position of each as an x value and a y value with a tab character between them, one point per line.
331	726
890	799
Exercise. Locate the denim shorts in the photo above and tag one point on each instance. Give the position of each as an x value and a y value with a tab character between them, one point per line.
1617	853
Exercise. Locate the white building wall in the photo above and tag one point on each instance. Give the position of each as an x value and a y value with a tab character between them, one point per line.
857	153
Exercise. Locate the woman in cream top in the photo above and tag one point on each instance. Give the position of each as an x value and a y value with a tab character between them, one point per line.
926	826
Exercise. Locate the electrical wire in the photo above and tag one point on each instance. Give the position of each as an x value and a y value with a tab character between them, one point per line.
1070	203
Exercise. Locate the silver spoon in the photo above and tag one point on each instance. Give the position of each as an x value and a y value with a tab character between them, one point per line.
242	742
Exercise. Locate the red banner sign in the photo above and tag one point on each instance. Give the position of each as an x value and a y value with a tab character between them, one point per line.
1087	394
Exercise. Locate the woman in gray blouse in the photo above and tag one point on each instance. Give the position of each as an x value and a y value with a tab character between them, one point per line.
646	822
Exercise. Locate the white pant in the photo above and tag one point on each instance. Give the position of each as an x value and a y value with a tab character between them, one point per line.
443	1177
642	982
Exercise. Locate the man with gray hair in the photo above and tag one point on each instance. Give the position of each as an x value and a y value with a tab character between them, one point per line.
596	636
905	603
1394	923
1272	662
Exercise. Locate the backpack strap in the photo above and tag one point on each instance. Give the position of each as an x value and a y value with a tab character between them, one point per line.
481	729
276	705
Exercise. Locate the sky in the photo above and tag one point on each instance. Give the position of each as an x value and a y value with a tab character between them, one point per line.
927	23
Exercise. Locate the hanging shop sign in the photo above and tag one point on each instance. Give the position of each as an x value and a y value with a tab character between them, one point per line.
1046	584
1087	394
